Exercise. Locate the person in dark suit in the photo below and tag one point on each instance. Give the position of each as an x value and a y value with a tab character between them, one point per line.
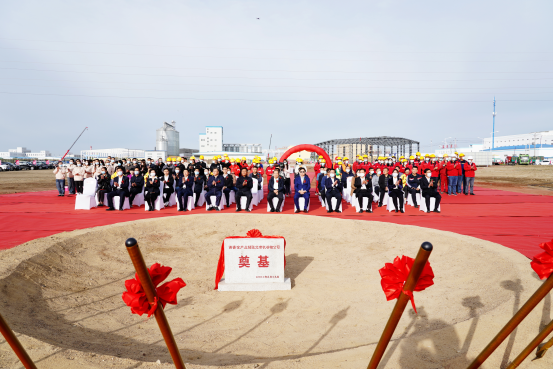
199	184
137	183
383	185
104	185
276	189
151	192
302	187
413	183
429	190
244	185
184	184
395	189
333	189
168	185
228	184
321	179
255	174
215	164
363	189
120	188
215	184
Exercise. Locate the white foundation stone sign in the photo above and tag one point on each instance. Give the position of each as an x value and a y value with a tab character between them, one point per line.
254	264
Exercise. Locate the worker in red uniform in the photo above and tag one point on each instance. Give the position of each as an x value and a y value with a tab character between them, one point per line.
425	164
470	168
452	170
418	158
336	160
244	164
357	164
234	169
435	170
443	174
270	169
411	164
317	167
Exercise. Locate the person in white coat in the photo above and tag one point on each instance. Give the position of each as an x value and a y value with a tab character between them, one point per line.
60	173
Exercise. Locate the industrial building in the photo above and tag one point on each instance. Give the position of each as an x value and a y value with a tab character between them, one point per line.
167	139
212	144
23	152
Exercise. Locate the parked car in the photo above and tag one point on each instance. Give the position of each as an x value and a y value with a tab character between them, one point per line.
10	166
5	167
42	165
25	165
545	162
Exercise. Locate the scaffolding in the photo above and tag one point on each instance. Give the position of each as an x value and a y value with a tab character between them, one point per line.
370	146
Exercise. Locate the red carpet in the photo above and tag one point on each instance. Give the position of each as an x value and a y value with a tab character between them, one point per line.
515	220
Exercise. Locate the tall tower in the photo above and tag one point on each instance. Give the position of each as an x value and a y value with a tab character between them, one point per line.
493	125
167	138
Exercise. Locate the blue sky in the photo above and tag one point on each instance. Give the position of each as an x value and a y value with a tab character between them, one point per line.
305	71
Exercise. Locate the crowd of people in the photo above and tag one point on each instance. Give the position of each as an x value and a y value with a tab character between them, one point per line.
429	176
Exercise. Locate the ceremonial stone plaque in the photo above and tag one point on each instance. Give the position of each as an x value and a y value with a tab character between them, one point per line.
254	264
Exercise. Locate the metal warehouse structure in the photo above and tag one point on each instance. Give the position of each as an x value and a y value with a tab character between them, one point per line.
371	146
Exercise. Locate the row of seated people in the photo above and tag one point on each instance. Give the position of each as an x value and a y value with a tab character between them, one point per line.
366	185
186	185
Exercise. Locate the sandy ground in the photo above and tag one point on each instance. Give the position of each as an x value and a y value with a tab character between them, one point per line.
62	295
535	179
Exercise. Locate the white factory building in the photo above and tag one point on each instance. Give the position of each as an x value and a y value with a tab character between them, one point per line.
23	152
212	144
533	144
521	141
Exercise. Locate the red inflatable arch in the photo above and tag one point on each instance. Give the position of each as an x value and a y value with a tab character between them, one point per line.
306	147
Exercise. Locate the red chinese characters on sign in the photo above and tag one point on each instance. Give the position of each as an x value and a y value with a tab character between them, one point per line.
263	261
243	261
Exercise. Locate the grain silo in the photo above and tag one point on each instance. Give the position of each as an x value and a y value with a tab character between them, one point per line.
167	139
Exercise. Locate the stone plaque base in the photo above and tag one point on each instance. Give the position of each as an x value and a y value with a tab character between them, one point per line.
224	286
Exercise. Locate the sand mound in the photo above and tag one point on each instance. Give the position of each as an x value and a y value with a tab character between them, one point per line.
63	294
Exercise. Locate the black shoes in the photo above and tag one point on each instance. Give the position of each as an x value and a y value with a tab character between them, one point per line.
110	209
403	211
416	206
329	211
472	194
273	210
305	211
369	211
296	211
436	211
360	211
397	211
278	210
248	209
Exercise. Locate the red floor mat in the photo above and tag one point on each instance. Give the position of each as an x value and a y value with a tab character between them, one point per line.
518	221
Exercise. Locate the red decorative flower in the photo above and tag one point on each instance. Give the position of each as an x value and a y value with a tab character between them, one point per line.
135	297
394	275
543	262
254	233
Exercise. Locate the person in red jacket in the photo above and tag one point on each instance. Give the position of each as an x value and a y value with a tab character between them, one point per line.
357	164
452	170
318	164
234	169
270	169
435	170
470	168
443	174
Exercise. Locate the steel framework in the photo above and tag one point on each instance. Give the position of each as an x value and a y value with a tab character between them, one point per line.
372	146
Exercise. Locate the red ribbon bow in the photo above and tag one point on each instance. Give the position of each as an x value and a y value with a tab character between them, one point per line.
135	297
395	275
543	262
254	233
